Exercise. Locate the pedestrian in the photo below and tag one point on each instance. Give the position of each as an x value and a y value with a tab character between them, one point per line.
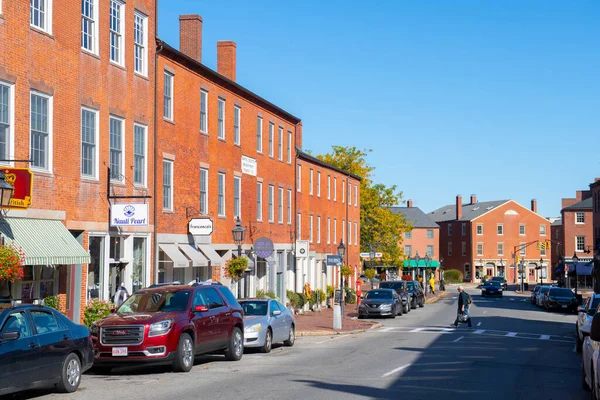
121	295
464	300
432	284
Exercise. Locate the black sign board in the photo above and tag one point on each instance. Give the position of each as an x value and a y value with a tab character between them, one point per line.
337	296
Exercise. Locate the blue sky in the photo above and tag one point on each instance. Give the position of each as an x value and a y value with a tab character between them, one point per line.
495	98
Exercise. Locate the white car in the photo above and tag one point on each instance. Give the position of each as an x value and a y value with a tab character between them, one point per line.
585	313
590	376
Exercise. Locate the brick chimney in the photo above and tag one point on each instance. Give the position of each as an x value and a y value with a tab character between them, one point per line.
226	59
190	36
534	205
458	207
409	203
473	199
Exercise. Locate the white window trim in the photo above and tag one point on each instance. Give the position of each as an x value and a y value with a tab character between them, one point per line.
223	176
271	205
299	225
355	195
271	140
343	191
202	91
299	178
237	140
479	253
50	131
310	181
579	223
500	253
545	230
259	200
221	135
237	178
280	200
289	205
576	249
318	229
335	230
47	19
122	147
328	230
11	121
95	41
289	147
500	226
477	229
95	176
318	183
207	187
310	230
280	143
144	71
172	179
259	143
356	234
145	127
328	187
171	116
524	230
121	32
335	188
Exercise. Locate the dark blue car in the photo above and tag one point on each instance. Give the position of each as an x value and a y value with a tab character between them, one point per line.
491	288
40	347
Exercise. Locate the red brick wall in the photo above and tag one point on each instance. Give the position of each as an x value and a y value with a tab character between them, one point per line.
419	242
572	229
595	191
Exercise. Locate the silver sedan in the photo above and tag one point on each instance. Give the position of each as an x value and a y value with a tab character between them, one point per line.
267	321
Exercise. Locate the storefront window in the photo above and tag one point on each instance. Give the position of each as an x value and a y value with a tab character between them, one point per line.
179	275
95	267
139	263
38	281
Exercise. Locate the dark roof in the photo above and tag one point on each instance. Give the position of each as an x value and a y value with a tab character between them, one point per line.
469	211
305	156
558	222
582	205
415	216
176	55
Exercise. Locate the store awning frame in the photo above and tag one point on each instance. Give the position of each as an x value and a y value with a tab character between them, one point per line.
211	254
173	252
198	259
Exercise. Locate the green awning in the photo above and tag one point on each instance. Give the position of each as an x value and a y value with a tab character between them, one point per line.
44	241
422	264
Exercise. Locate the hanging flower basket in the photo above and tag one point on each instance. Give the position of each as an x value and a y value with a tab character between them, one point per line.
11	262
235	267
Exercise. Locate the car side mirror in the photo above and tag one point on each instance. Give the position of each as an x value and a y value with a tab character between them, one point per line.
200	308
276	313
595	330
9	336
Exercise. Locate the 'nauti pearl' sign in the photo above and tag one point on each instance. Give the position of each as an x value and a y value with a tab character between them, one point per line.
200	226
129	214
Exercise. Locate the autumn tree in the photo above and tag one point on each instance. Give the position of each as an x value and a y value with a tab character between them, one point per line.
379	227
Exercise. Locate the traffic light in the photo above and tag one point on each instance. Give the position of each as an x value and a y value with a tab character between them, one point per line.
518	259
539	245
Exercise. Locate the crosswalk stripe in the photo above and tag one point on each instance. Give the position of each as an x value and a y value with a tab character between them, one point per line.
417	330
511	334
545	337
479	331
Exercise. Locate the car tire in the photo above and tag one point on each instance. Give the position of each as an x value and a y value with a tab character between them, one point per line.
413	304
399	309
235	351
406	309
578	344
360	316
184	356
266	348
70	376
292	337
584	384
422	303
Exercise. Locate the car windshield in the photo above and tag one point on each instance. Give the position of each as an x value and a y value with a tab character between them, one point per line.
544	290
255	307
379	294
498	278
491	283
536	289
156	301
392	285
410	285
561	292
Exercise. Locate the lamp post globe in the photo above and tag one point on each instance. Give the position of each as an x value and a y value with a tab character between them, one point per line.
239	234
6	191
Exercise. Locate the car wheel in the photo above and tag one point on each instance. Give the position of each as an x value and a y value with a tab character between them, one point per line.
360	316
413	304
422	303
399	309
266	348
236	346
406	309
184	357
70	376
292	337
584	384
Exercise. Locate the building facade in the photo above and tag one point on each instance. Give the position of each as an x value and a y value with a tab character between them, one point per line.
595	190
494	238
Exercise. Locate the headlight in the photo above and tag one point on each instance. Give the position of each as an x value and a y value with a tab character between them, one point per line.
94	329
160	328
253	328
385	306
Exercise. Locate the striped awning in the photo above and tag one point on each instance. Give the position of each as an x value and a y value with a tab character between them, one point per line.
44	242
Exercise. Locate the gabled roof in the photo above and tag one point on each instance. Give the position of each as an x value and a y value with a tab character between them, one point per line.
305	156
586	204
416	217
558	222
469	211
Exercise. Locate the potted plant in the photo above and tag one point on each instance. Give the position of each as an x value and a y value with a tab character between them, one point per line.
235	268
11	262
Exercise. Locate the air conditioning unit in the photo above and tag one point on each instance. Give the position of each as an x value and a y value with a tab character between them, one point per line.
302	248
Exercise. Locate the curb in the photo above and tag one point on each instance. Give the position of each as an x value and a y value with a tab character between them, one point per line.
436	299
335	333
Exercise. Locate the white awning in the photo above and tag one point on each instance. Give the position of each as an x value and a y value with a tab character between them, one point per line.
211	254
173	252
198	259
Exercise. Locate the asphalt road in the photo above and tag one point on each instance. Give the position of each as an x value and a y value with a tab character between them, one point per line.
513	351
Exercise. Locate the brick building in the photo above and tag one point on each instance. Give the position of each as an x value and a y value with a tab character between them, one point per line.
480	238
76	97
556	256
327	212
595	190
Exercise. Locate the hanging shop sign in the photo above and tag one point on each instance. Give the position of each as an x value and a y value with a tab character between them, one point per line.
263	247
129	214
200	226
22	181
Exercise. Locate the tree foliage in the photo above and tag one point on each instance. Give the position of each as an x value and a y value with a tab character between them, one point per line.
379	227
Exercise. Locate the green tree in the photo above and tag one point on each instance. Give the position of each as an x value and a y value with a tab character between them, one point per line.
379	227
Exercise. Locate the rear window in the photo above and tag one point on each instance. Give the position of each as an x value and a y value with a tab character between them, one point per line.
229	297
392	285
561	292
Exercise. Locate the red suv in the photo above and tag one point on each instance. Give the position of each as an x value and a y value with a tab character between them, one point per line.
170	324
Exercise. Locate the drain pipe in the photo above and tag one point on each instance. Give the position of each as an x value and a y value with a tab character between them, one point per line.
159	49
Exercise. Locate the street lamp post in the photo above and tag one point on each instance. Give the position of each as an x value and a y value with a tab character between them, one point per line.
341	250
417	259
442	280
541	271
427	265
575	261
239	234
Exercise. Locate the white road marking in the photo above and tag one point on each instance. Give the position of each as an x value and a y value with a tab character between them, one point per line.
334	338
386	329
479	331
456	340
545	337
512	299
485	312
392	372
511	334
417	330
479	324
448	330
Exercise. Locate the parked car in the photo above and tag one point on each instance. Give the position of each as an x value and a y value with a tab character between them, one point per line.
401	288
380	302
416	292
267	321
501	280
170	325
365	279
491	288
560	299
534	293
40	347
585	313
541	296
591	348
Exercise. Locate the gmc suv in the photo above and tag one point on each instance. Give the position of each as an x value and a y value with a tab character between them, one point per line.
170	325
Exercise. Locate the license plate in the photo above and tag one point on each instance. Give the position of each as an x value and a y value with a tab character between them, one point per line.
119	351
564	306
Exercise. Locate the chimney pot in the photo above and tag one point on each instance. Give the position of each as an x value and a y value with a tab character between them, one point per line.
458	207
473	199
409	203
534	205
226	59
190	36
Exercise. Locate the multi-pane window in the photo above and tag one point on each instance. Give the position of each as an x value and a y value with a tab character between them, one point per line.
580	218
6	121
335	230
39	14
280	205
522	249
344	232
236	124
521	229
429	251
221	194
310	181
318	183
579	243
343	191
449	248
408	235
349	193
356	233
237	195
289	147
299	179
349	233
500	229
168	96
259	140
89	26
500	249
542	251
298	225
542	230
280	144
40	131
167	185
355	195
464	248
221	118
310	228
89	131
116	149
479	229
407	251
271	139
140	42
335	188
429	233
117	9
449	229
318	229
203	191
328	230
139	154
203	111
271	205
479	249
289	206
328	187
259	201
463	229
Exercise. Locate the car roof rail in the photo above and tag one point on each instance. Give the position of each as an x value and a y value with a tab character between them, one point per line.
155	285
17	302
201	283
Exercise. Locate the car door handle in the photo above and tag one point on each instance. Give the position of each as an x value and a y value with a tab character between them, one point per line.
33	345
65	337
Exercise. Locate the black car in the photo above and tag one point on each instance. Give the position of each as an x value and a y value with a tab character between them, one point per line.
560	299
491	288
417	295
380	302
501	280
400	288
40	347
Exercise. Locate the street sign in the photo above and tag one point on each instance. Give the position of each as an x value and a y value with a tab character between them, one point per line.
263	247
200	226
368	255
334	260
